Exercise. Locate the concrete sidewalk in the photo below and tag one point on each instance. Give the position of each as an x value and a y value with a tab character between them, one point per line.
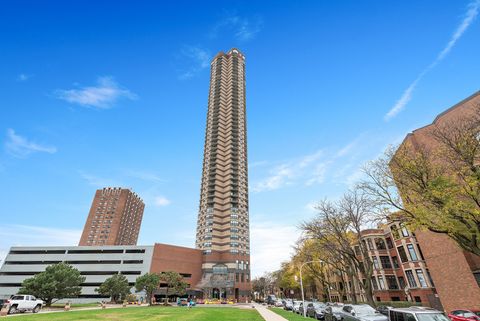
267	314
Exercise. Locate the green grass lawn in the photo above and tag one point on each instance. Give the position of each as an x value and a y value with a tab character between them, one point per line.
289	315
150	314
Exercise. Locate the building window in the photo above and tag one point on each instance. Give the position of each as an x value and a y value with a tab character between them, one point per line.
375	263
402	253
381	283
374	283
418	299
411	251
411	279
220	269
421	278
401	282
380	244
395	262
370	244
389	243
357	250
404	230
476	275
385	262
392	282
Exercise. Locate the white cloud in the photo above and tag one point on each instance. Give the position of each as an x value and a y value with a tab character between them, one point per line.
311	168
23	77
197	59
271	244
161	201
102	96
279	177
25	235
144	175
242	28
470	15
99	182
318	175
21	147
355	177
257	164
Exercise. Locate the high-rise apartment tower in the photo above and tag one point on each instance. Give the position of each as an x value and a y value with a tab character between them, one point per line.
223	224
114	219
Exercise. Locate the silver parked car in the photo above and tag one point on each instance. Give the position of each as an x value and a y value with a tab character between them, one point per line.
416	314
296	306
361	312
288	305
333	313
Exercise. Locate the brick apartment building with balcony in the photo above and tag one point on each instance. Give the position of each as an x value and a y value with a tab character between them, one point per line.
400	272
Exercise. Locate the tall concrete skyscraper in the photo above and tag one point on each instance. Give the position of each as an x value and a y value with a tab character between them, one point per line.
223	222
114	219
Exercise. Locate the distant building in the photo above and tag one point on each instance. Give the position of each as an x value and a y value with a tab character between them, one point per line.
223	232
96	263
114	218
456	273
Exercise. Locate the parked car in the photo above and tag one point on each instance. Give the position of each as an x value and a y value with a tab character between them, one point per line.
416	314
362	312
296	306
279	303
288	305
316	310
22	303
464	315
300	308
333	313
383	309
271	299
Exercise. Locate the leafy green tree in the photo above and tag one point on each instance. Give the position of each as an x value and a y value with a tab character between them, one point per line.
175	283
116	287
57	282
148	282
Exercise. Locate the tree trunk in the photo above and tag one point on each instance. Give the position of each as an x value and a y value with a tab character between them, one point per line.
48	302
369	293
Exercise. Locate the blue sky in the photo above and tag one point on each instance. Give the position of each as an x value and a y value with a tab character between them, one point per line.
94	94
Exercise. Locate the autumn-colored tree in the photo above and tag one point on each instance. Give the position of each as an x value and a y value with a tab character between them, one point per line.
433	188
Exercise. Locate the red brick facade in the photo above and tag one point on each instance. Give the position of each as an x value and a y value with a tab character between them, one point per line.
452	269
114	218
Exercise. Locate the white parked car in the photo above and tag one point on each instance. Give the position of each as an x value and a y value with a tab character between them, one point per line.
296	306
22	303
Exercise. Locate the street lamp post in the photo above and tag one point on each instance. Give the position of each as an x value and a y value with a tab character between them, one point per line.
301	284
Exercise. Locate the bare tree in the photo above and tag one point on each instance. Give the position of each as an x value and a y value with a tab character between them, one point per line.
337	227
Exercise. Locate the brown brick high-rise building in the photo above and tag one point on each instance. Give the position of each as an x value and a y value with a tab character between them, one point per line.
456	273
223	220
114	219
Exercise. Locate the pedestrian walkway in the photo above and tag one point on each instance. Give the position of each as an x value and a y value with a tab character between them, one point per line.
267	314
